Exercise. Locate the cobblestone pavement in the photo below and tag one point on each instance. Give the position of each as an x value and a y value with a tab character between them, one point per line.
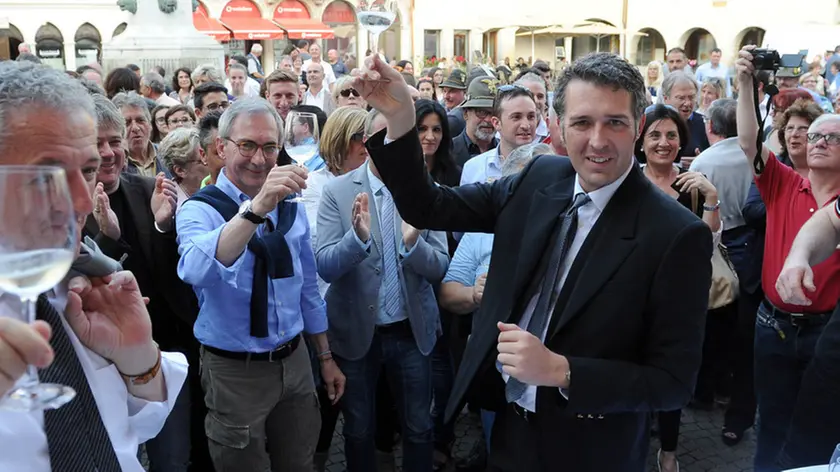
700	447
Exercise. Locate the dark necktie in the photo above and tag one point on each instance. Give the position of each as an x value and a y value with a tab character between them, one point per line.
77	438
549	289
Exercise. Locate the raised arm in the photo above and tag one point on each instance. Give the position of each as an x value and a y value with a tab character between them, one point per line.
745	115
399	160
817	240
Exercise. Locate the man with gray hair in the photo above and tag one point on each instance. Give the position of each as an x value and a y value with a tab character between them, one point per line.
153	87
679	90
590	244
100	330
245	249
206	73
142	153
255	69
728	169
129	211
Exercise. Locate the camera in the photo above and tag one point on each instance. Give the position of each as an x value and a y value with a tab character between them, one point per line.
769	59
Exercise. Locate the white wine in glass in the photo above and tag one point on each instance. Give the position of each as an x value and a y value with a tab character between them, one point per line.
376	16
38	242
302	138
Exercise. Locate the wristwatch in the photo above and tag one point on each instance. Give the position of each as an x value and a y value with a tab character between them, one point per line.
245	212
714	207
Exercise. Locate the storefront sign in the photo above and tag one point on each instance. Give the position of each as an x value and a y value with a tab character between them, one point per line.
291	9
240	9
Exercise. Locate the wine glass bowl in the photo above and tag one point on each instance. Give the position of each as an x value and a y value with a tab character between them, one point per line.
302	137
376	16
38	243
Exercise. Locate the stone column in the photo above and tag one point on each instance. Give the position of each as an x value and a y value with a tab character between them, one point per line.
70	55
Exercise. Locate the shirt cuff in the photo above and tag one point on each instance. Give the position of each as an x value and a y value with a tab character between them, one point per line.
147	418
387	141
564	392
403	253
363	245
162	231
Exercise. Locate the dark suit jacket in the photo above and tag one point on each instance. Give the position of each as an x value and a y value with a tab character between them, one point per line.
632	328
159	253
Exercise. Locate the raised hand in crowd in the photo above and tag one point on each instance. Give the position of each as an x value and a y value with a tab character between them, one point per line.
384	89
22	344
361	217
106	219
164	202
280	183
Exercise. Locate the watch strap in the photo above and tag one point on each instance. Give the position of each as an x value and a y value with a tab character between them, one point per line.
147	376
253	217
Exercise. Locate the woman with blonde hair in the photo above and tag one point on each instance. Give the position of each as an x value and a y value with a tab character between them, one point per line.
711	89
653	80
343	149
344	95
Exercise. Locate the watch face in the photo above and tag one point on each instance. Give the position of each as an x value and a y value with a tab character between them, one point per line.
246	206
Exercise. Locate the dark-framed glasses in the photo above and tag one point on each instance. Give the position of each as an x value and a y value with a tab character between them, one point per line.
830	139
347	92
249	148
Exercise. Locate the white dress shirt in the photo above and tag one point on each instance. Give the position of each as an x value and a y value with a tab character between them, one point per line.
329	74
485	167
587	217
252	87
319	99
129	420
315	184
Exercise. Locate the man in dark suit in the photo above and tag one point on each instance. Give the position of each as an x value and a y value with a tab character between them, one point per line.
618	304
132	221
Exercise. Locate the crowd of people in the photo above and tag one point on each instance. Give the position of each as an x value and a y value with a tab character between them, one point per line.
440	256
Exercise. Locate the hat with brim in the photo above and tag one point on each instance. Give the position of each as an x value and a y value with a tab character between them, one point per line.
482	93
789	72
456	80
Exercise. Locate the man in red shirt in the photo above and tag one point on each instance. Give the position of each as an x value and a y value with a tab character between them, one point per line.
786	333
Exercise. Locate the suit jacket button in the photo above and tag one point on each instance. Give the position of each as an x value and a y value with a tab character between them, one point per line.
600	417
376	270
590	417
580	417
370	307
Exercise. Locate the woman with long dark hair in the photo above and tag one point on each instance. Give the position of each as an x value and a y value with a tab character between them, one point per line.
119	80
433	127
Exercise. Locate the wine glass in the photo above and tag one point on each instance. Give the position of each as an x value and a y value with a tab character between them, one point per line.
834	465
302	138
38	241
376	16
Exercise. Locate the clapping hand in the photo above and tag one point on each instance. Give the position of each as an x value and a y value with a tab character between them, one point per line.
361	217
164	202
106	219
478	289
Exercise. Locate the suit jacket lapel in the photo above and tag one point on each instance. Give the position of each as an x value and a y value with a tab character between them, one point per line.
606	247
362	180
547	204
140	211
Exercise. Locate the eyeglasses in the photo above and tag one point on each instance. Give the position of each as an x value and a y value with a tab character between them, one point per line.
830	139
347	92
217	106
182	121
481	113
358	137
249	148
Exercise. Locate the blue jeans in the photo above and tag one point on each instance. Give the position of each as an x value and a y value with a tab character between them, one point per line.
442	379
779	367
169	451
410	378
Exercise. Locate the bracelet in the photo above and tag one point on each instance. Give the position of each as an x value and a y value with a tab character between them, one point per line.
147	376
326	355
714	207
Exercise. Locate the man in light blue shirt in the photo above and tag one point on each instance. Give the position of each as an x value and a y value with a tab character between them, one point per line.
713	68
245	249
382	311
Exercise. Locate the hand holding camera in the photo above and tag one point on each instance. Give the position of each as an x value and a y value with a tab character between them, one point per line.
744	66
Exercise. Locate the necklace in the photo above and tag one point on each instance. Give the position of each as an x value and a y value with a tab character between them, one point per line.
188	194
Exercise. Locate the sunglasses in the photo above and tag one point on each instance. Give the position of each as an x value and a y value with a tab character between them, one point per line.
347	92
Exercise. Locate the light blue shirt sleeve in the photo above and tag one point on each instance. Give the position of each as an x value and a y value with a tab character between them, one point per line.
465	262
199	228
313	309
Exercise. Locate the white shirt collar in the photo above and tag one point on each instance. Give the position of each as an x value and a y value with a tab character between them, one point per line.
602	196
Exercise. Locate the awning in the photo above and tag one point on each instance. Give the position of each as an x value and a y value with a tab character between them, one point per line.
211	26
253	28
305	29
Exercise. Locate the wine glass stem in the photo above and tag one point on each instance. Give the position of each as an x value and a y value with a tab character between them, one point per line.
375	46
31	377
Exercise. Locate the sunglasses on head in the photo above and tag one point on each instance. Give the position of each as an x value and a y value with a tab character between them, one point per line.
347	92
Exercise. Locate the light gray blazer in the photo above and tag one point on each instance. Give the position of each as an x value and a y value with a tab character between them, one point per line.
355	275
